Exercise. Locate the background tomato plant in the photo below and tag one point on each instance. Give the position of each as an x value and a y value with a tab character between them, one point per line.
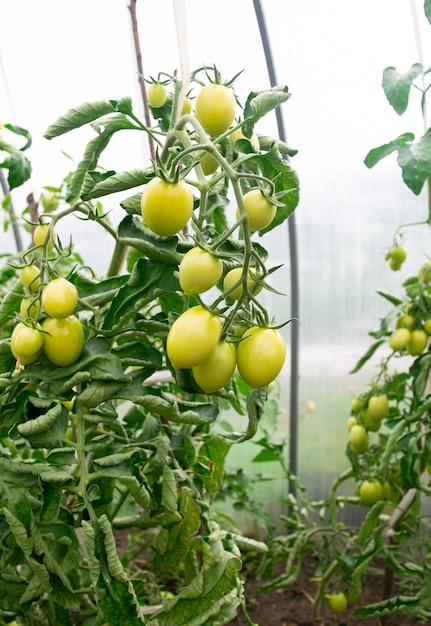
104	436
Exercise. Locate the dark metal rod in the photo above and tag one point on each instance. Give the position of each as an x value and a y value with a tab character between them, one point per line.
294	273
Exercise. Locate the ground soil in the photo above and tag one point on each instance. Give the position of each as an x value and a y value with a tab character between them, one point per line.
292	606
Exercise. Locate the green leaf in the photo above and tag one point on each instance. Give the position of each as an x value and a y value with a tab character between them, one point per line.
390	298
119	182
259	103
23	132
48	427
212	455
427	9
132	232
10	301
84	114
18	165
387	607
368	354
397	86
415	162
377	154
370	522
265	456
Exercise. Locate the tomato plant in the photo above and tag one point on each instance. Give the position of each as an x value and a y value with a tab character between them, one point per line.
113	396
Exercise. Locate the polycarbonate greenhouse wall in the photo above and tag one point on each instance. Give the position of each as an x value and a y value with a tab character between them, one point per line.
331	54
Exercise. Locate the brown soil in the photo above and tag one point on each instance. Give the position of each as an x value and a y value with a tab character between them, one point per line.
292	606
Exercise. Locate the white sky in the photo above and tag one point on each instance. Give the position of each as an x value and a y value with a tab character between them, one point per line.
58	54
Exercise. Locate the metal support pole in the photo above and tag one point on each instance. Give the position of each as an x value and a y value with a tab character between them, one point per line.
293	251
15	227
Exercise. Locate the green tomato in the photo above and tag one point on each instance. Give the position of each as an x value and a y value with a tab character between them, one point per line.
59	298
238	134
370	422
260	356
156	95
209	164
43	233
398	254
370	492
26	343
217	370
215	108
199	271
30	277
427	326
193	337
356	405
352	421
399	339
233	277
358	439
406	321
338	602
259	210
49	201
424	272
418	342
29	308
166	207
378	407
63	340
187	106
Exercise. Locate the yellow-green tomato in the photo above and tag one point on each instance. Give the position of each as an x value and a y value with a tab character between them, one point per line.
59	298
193	337
338	602
166	207
63	340
29	308
398	254
427	326
356	405
199	271
238	134
378	406
217	370
29	276
424	272
399	339
406	321
358	439
49	201
370	422
418	342
352	421
43	235
156	95
187	106
215	108
26	343
233	277
259	210
260	356
370	492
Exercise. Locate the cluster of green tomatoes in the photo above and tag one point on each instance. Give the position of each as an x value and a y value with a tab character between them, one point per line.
200	339
47	323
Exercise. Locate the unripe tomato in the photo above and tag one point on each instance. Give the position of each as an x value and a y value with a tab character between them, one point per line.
260	356
187	106
378	406
358	439
193	337
338	602
394	265
59	298
427	326
260	211
232	277
352	421
370	492
406	321
356	405
29	309
166	207
209	164
42	233
399	339
217	370
63	340
26	343
386	490
398	255
238	134
418	342
50	201
30	277
199	271
370	422
215	108
424	273
156	95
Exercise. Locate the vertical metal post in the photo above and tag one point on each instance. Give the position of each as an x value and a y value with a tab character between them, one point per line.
294	274
15	227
